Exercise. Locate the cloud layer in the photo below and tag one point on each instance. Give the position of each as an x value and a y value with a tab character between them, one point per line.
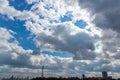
107	18
71	39
95	47
106	12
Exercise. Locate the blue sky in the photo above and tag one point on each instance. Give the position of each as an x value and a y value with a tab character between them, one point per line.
20	5
64	36
22	35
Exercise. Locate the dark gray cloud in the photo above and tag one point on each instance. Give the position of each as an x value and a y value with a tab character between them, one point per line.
107	12
107	17
36	52
11	53
65	37
111	44
20	61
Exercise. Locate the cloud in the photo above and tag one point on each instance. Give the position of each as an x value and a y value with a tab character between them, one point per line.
51	34
10	52
48	26
36	52
71	39
106	12
38	21
15	59
10	11
106	16
110	41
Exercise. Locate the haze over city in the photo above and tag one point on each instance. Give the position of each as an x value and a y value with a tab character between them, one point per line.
68	37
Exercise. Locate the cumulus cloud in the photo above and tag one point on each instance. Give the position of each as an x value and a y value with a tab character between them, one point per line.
107	18
10	11
20	60
48	26
71	39
51	34
16	58
106	12
10	52
110	41
36	52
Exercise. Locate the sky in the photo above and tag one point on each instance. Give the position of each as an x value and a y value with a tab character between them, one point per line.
68	37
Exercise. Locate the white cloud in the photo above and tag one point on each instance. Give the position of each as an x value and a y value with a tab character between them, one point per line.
89	46
53	11
11	52
23	62
107	18
10	11
110	41
71	39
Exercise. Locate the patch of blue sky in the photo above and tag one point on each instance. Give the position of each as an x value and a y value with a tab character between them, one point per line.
50	6
41	17
89	30
11	40
81	24
60	54
20	4
97	46
21	33
54	21
66	17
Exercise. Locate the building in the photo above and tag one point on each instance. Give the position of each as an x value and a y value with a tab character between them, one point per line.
104	75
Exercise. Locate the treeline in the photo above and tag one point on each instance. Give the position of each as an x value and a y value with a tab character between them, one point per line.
70	78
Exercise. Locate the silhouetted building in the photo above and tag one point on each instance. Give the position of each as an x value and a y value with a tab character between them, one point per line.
104	75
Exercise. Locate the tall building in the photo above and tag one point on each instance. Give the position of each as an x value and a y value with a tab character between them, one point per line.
104	74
